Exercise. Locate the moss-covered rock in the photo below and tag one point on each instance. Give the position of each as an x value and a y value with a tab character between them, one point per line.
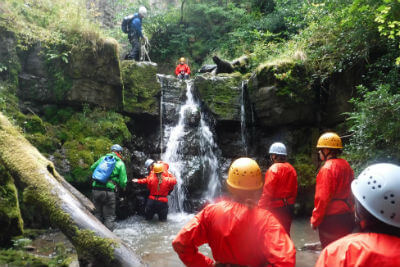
282	94
221	94
11	223
141	88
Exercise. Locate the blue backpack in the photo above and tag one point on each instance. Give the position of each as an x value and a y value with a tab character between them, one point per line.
104	169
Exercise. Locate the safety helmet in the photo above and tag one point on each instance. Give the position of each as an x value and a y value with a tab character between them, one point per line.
142	11
158	167
245	174
377	189
329	140
278	148
182	59
116	148
148	163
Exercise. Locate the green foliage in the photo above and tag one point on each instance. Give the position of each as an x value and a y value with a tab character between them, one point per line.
48	21
375	125
306	171
388	17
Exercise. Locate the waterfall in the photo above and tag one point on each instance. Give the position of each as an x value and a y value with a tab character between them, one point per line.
243	130
175	149
210	161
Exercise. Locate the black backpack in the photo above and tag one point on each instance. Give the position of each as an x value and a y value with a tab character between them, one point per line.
126	22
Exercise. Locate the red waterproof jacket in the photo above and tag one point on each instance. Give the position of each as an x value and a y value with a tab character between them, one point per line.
280	187
362	250
159	192
236	235
332	190
182	67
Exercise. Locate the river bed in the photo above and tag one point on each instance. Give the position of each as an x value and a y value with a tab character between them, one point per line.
152	240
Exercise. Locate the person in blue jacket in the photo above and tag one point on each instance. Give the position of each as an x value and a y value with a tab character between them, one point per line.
132	25
104	194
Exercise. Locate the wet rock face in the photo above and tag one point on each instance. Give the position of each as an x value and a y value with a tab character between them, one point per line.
141	88
91	76
221	94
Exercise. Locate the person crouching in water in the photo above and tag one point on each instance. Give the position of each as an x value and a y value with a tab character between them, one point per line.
280	187
160	186
182	71
333	212
377	195
237	231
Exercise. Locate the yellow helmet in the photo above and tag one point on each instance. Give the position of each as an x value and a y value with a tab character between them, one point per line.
245	174
158	167
182	59
329	140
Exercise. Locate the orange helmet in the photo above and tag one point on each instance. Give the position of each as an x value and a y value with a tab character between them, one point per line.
158	167
245	174
329	140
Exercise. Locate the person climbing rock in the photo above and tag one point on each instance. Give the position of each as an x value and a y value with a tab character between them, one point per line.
377	195
333	203
160	183
132	25
280	186
104	194
182	71
237	231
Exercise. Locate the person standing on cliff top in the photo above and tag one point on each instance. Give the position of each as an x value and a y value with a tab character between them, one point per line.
132	25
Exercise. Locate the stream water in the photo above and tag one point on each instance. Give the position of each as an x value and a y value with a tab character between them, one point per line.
152	240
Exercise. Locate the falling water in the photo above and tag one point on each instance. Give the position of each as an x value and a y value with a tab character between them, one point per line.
177	161
210	161
243	118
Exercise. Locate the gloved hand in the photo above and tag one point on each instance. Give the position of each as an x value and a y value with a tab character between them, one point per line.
182	72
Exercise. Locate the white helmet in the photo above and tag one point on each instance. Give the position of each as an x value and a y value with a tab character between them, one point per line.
278	148
377	189
142	11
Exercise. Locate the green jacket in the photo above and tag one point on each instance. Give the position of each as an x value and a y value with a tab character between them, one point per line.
118	176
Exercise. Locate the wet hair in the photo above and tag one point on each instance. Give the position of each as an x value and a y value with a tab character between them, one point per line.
372	224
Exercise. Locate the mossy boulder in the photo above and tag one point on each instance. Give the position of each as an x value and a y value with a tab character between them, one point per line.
11	223
282	94
141	88
55	74
221	94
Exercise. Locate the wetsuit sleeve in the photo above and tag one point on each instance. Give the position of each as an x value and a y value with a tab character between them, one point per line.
143	180
278	248
123	179
186	243
177	70
187	69
323	195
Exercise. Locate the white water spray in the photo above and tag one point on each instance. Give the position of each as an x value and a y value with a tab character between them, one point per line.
243	130
178	162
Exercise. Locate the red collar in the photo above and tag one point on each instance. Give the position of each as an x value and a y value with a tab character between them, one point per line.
119	156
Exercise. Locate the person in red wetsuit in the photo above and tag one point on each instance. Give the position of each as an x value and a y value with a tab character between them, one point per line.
182	71
160	183
377	194
280	187
333	203
237	231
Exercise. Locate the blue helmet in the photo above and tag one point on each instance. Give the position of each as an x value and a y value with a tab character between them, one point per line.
116	148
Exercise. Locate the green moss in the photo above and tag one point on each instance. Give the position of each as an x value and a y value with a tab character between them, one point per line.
221	94
10	216
11	257
93	247
289	77
141	89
